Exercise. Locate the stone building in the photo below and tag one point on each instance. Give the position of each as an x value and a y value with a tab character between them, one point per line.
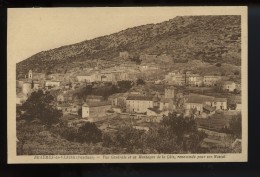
138	103
95	111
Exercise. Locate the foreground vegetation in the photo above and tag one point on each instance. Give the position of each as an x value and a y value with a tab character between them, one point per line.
41	130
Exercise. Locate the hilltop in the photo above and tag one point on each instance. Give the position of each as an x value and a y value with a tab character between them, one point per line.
207	38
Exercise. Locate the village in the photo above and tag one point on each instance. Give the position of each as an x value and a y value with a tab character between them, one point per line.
152	94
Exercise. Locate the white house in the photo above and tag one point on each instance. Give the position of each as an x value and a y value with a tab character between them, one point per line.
229	86
211	80
27	88
138	103
51	83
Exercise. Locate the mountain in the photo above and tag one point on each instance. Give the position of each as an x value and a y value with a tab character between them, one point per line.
208	38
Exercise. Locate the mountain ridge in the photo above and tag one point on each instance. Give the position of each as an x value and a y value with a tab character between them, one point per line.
207	38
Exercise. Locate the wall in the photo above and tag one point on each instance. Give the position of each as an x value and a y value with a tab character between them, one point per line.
138	106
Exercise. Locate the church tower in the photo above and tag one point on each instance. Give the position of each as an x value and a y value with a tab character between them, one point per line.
30	76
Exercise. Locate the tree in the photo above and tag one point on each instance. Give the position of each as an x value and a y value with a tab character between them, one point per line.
136	59
124	85
184	131
128	137
140	81
26	132
39	106
89	133
235	126
236	72
218	64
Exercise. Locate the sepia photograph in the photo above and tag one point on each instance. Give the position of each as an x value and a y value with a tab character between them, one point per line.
127	84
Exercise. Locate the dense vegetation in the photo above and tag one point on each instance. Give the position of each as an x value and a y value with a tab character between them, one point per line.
104	90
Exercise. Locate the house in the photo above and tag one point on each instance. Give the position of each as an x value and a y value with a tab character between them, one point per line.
155	115
86	78
169	92
138	103
156	101
220	103
124	55
27	88
211	80
117	109
228	86
203	103
195	102
19	83
209	109
238	87
95	111
56	76
118	99
195	80
148	57
238	106
65	108
167	104
35	85
94	98
65	97
51	83
180	80
35	76
20	98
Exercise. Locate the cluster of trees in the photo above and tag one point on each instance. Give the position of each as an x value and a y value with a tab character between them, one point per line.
175	134
105	90
39	106
235	127
87	133
136	59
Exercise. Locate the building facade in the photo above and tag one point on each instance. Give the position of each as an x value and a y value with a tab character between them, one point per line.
210	81
138	103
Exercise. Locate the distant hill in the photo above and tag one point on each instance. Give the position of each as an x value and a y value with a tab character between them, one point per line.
208	38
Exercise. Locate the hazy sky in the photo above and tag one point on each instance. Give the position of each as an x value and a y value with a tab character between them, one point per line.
37	29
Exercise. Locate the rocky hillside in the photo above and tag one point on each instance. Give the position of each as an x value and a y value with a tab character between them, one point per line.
207	38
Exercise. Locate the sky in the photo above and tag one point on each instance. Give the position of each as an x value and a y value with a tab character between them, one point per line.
33	30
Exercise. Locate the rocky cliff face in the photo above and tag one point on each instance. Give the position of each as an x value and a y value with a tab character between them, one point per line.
207	38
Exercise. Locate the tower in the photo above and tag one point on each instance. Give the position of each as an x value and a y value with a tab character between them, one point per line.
30	75
85	111
170	92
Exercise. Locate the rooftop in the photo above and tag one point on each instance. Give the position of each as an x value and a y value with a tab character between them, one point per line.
220	99
196	98
209	108
140	97
118	95
64	105
167	100
96	104
228	82
94	97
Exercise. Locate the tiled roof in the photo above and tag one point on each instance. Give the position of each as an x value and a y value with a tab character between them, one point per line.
220	99
195	98
228	82
94	97
212	76
156	110
64	105
118	95
209	108
166	100
140	97
96	104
